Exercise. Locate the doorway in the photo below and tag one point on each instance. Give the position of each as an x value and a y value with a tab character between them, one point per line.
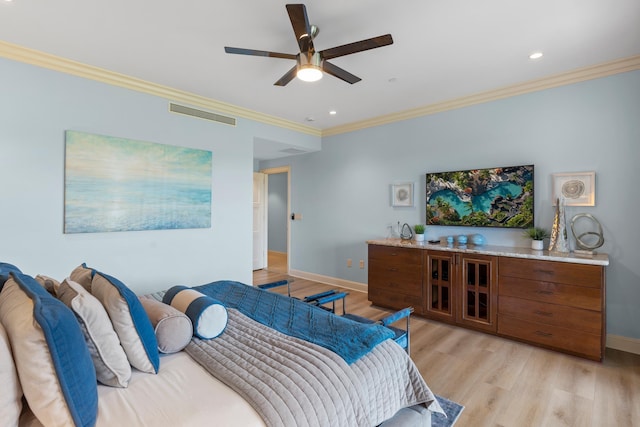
277	223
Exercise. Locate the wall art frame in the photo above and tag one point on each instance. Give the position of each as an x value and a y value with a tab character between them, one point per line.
577	188
402	194
119	184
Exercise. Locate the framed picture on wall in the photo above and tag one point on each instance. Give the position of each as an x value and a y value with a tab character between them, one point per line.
577	188
402	194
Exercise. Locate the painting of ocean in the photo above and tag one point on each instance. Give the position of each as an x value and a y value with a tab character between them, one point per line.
118	184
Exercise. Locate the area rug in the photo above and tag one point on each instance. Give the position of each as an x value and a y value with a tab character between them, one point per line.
452	409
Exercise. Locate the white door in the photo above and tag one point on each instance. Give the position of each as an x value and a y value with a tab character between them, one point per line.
259	221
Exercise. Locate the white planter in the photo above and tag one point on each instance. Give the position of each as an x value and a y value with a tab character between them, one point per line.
537	245
419	237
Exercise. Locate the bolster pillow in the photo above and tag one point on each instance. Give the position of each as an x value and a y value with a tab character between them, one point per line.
208	315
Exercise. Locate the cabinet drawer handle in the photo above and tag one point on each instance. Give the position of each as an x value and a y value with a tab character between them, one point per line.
393	269
544	292
394	254
543	271
543	313
544	334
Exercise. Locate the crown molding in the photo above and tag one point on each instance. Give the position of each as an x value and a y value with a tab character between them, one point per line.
45	60
56	63
575	76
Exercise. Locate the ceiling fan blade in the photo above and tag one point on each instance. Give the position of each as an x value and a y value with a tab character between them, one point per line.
287	77
338	72
301	27
241	51
354	47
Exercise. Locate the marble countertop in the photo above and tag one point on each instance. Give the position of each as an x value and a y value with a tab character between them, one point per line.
596	259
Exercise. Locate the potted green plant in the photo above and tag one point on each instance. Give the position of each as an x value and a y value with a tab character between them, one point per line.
537	235
419	230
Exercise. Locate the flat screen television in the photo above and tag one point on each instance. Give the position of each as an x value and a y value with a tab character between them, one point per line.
494	197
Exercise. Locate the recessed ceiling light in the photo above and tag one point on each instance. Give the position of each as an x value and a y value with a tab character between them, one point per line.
333	112
535	55
310	119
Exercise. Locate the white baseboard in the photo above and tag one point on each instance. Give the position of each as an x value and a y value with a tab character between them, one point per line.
617	342
348	284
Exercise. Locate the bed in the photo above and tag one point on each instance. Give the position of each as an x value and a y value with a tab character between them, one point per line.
267	367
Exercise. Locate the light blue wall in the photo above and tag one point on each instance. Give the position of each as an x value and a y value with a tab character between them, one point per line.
343	191
36	107
277	215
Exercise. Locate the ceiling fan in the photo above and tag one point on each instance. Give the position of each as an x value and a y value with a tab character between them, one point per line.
309	63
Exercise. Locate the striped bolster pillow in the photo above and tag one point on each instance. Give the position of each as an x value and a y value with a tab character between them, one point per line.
209	316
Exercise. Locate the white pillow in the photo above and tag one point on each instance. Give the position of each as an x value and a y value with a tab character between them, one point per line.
11	395
129	320
208	315
108	356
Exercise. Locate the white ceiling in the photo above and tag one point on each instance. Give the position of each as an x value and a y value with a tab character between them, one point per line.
443	49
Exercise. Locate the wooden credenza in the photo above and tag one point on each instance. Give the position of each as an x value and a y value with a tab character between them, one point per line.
553	301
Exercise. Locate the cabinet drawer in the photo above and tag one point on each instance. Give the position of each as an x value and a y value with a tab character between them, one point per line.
583	343
551	314
391	299
395	256
550	292
410	284
551	271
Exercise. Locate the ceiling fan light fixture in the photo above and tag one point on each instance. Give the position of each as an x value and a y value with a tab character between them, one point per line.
309	73
309	67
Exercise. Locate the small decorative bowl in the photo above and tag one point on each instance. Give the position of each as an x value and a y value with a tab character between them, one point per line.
478	239
462	239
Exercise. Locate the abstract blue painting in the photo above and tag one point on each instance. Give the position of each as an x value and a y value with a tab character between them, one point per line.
118	184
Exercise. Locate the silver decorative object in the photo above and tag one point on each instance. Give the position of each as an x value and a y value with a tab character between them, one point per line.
559	241
587	248
407	232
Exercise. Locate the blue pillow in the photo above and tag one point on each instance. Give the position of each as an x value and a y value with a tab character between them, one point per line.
208	315
5	269
130	321
44	332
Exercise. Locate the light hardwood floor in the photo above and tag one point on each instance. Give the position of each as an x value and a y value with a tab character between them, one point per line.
506	383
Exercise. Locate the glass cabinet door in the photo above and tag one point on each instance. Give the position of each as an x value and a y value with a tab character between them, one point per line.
439	285
477	296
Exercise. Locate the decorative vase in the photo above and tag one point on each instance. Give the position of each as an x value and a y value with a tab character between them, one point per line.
478	239
537	245
559	241
462	239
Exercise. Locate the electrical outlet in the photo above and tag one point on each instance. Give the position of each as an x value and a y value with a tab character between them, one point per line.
361	263
349	262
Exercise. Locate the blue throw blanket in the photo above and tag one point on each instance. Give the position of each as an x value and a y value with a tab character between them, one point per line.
349	339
